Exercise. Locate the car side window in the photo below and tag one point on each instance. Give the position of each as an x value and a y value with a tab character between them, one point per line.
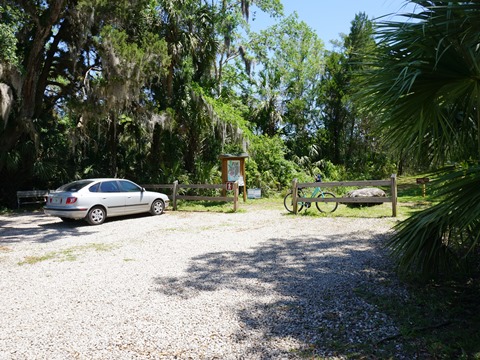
127	186
109	186
94	188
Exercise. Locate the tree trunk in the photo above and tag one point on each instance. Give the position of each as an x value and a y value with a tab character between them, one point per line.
30	94
113	144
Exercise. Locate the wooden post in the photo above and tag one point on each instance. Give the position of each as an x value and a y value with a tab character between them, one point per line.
295	195
174	194
235	196
423	182
242	163
393	185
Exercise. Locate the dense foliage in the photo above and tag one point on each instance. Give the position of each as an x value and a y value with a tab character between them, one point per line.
156	90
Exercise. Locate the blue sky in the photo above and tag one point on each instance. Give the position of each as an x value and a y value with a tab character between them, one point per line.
329	18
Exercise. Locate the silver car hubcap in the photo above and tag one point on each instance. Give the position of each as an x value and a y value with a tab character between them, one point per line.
158	207
97	215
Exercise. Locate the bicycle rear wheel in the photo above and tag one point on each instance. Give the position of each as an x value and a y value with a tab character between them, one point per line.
288	202
326	207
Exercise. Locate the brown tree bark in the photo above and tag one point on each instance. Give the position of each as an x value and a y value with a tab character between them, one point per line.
30	93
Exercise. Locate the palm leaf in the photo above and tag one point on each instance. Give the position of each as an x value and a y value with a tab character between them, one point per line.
426	74
446	236
424	85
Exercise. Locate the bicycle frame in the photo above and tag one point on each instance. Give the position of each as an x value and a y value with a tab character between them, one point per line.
314	194
326	199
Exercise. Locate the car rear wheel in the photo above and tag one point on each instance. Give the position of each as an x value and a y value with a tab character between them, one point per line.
96	215
157	207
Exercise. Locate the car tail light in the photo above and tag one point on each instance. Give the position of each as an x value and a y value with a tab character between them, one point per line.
71	200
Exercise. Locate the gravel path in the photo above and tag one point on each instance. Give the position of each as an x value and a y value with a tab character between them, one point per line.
190	285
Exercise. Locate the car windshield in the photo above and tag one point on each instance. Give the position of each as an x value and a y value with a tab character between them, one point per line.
74	186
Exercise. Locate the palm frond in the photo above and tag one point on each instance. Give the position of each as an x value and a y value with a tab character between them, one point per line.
443	238
425	85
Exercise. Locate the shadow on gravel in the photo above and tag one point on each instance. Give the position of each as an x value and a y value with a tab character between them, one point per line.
314	282
40	228
36	227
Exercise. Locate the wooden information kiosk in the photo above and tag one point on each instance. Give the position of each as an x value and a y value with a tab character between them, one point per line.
233	169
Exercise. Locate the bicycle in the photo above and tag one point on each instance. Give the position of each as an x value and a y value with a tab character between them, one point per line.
326	207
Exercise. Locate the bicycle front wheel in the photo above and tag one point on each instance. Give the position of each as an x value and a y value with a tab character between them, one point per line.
288	202
326	207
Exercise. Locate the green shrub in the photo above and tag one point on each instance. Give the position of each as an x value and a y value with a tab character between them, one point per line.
267	167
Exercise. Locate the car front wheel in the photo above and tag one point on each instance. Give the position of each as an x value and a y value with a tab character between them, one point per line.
157	207
96	215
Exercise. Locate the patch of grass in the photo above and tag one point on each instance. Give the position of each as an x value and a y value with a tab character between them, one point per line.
205	206
408	189
377	211
271	203
30	260
435	322
69	254
99	247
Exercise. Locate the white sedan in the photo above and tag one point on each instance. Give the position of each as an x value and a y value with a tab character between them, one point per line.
96	199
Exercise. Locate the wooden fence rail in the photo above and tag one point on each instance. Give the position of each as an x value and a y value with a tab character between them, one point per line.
175	187
392	198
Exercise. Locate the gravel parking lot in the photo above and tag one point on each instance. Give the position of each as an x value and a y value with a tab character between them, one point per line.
258	284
